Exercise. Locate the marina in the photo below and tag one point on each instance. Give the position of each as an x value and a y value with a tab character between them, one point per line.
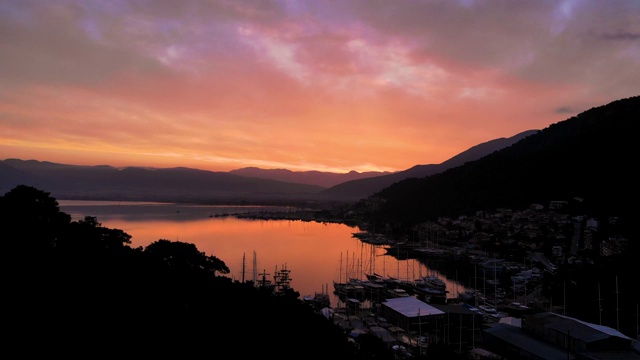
317	254
365	285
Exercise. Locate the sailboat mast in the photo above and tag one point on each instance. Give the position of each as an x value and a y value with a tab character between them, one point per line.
372	259
475	285
564	298
340	277
346	269
361	257
495	284
255	267
617	307
243	257
398	264
599	306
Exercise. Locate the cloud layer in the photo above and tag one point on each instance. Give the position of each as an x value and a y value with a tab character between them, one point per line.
322	85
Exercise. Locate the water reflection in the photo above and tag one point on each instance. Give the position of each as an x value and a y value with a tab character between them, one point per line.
316	253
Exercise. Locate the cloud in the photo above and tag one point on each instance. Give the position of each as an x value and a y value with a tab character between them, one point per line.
347	85
565	110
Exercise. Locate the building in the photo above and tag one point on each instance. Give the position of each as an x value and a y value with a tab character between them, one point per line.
552	336
453	325
410	313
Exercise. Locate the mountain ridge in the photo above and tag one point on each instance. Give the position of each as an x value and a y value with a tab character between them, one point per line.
585	157
245	185
178	184
311	177
505	158
182	184
362	188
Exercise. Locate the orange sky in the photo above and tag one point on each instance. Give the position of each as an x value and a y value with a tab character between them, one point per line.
302	85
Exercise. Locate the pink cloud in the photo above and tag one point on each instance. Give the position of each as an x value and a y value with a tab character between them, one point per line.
333	86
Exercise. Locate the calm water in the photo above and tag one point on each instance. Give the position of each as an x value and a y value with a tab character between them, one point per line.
315	253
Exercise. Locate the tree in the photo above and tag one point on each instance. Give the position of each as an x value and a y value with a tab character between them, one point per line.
88	287
185	257
88	233
31	220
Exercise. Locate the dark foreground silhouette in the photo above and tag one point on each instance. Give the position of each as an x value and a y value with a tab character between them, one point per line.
77	289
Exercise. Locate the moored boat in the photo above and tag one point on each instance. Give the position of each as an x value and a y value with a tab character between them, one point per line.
432	288
349	289
396	292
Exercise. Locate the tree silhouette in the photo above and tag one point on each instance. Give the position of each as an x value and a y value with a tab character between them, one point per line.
73	287
185	257
31	220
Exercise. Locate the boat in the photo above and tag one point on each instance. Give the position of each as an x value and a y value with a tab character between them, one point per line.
517	309
318	300
431	288
486	309
374	290
468	296
434	282
352	304
389	281
396	292
350	288
374	277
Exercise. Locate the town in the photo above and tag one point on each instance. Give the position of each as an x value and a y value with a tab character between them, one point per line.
528	287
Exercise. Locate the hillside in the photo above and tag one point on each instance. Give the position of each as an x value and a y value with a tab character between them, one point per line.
362	188
589	156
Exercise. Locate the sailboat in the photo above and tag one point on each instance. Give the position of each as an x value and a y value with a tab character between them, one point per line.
350	288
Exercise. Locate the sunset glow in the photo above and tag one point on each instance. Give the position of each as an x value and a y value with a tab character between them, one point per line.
302	85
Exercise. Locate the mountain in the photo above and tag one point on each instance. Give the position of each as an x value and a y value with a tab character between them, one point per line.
588	159
319	178
145	184
589	156
104	182
362	188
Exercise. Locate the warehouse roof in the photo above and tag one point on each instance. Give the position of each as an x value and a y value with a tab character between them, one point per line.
412	307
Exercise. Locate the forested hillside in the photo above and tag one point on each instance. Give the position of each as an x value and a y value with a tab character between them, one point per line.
589	156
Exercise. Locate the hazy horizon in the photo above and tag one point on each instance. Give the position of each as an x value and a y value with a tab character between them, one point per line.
171	167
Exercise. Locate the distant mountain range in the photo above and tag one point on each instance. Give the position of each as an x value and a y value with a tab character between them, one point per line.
319	178
246	185
574	157
66	182
354	186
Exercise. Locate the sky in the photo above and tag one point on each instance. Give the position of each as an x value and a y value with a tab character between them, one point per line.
327	85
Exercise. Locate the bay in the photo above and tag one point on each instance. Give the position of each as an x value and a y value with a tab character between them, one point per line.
315	253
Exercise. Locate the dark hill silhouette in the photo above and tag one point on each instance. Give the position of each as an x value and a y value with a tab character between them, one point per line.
319	178
587	161
147	184
580	153
75	287
589	156
247	185
362	188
